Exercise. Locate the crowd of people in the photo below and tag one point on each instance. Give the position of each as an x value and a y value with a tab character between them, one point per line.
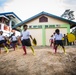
8	42
57	39
13	41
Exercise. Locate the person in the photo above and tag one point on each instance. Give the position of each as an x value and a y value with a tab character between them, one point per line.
68	43
58	40
19	40
2	42
14	41
65	40
51	41
26	40
54	40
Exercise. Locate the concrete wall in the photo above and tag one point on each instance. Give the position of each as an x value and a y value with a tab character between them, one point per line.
37	33
50	32
50	21
43	34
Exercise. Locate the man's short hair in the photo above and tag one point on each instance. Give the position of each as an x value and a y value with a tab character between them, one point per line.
25	26
57	30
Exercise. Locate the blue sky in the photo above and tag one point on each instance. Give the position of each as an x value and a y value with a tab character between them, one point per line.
27	8
2	2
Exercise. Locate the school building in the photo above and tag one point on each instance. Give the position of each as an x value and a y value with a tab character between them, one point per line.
43	25
7	21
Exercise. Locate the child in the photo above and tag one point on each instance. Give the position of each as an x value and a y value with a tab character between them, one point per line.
58	40
51	40
54	40
14	41
21	40
26	40
2	42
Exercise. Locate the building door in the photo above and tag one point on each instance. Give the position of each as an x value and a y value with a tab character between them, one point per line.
37	33
50	31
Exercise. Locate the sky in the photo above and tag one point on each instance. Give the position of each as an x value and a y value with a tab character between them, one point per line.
25	9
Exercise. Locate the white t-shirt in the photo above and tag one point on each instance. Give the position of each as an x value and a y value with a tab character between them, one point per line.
58	37
51	38
1	37
25	34
21	38
14	38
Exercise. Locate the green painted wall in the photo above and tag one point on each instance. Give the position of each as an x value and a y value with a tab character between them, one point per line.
44	27
67	26
43	35
44	32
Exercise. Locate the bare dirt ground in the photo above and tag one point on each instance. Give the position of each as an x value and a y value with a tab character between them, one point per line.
45	62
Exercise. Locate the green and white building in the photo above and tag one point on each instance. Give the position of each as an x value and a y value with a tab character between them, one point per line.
43	25
7	21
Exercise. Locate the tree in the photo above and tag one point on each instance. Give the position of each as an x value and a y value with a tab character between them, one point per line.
68	14
74	31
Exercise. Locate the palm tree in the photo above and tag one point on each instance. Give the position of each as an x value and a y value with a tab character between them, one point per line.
74	31
68	14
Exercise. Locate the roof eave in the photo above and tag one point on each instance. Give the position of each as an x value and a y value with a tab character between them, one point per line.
6	13
43	13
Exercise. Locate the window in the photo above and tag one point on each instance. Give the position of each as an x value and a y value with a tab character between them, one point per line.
46	26
40	26
13	23
35	26
43	19
7	22
57	25
51	26
30	26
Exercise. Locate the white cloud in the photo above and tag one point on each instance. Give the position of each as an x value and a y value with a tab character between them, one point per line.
27	8
69	2
2	4
1	9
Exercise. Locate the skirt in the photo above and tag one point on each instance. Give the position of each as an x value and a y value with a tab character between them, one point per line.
26	42
59	42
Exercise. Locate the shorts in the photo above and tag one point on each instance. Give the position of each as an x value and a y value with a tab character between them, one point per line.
26	42
1	42
4	41
14	42
59	42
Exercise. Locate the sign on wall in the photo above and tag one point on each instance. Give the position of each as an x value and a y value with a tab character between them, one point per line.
35	26
46	26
